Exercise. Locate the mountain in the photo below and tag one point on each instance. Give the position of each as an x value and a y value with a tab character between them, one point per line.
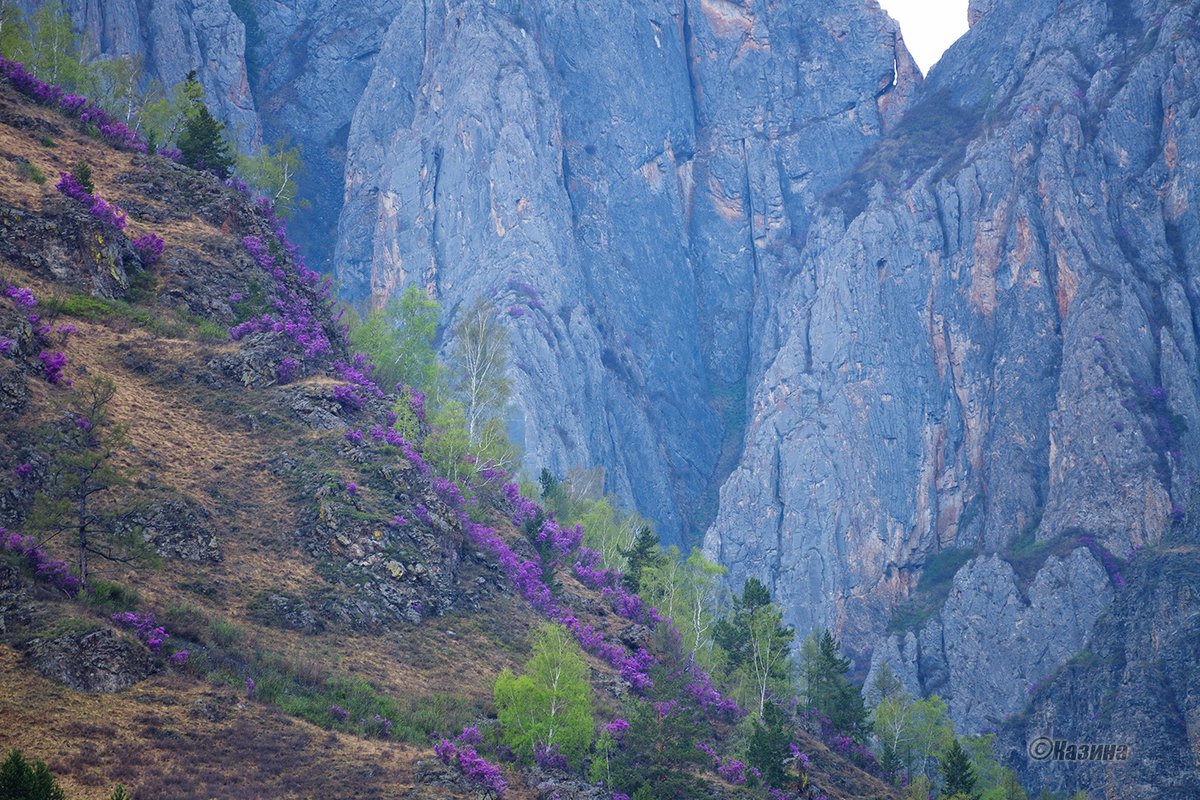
989	376
920	354
225	571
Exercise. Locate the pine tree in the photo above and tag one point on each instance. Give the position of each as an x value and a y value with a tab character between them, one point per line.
202	141
769	745
644	553
20	780
827	689
958	774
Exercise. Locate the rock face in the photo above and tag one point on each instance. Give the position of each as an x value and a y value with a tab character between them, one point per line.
992	643
1136	685
990	336
630	191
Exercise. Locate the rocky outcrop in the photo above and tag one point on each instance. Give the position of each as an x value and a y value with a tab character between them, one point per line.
629	190
99	661
177	528
1135	685
991	332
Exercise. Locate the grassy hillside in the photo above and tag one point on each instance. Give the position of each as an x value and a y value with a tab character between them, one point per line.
272	552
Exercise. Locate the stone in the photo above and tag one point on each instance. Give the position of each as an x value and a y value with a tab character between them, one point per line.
97	661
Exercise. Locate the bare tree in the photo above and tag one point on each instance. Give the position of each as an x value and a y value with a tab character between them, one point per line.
479	366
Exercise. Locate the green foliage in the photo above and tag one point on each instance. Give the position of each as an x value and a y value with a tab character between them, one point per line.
933	587
551	702
54	50
20	780
164	112
400	337
769	749
756	646
117	87
82	172
274	173
958	774
884	684
644	553
823	674
30	172
119	793
910	732
202	140
478	368
14	33
111	597
79	497
658	747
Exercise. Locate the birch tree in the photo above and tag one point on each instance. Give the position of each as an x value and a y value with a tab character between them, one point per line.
551	703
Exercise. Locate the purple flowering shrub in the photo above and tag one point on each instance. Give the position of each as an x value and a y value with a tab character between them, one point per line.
144	626
472	765
75	106
98	207
149	248
46	569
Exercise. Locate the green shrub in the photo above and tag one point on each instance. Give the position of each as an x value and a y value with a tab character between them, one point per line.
226	633
82	172
30	172
110	597
20	780
46	141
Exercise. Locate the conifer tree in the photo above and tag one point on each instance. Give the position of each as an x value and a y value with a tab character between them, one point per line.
202	141
644	553
20	780
958	774
827	689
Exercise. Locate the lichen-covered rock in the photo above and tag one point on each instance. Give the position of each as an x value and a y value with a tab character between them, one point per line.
98	661
70	247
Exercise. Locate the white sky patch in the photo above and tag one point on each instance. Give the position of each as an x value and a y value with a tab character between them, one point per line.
929	26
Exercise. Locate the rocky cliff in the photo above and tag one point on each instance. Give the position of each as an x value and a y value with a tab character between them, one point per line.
989	344
631	189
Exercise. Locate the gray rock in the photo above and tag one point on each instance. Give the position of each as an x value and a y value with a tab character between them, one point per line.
992	644
629	190
986	337
177	528
1136	684
99	661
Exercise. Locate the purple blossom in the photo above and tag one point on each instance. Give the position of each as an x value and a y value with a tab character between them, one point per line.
338	713
287	369
23	470
7	346
249	687
353	435
617	727
53	365
149	248
22	296
144	626
398	521
549	757
179	657
52	571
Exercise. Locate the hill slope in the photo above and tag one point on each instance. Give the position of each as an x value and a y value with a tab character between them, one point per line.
259	475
